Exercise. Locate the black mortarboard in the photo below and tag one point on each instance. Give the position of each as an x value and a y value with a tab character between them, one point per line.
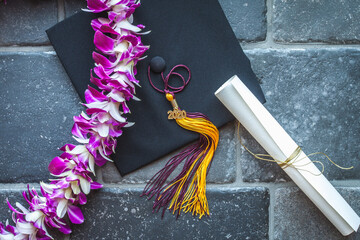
194	33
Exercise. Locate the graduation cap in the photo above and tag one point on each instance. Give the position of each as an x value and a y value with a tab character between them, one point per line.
194	33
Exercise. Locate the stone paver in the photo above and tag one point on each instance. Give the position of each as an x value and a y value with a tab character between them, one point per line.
296	217
247	18
24	22
332	21
121	214
74	6
38	103
313	93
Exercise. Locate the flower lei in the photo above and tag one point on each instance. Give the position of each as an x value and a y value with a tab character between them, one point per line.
119	48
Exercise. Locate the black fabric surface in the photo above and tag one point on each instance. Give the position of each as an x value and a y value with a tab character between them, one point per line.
194	33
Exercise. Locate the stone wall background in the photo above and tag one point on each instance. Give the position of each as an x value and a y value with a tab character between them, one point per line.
306	54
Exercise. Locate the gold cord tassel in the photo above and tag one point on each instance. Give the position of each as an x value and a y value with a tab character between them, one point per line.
187	191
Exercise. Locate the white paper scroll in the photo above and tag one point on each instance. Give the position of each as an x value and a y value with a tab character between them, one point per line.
272	137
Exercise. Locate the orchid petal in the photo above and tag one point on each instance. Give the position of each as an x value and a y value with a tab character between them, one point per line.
103	129
78	150
81	140
22	208
34	216
67	147
7	236
75	187
99	105
92	164
58	166
85	185
92	95
103	42
25	227
75	214
96	185
115	113
97	6
117	96
65	229
125	24
100	59
61	208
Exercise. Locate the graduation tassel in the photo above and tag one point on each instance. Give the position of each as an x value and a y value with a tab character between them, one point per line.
187	191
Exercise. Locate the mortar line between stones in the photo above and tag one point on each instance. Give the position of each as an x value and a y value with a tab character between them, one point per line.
246	46
61	10
99	175
269	18
238	177
210	185
271	211
17	186
17	49
272	45
236	184
342	183
239	184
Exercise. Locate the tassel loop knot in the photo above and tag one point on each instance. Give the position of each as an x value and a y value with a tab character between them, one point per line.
167	87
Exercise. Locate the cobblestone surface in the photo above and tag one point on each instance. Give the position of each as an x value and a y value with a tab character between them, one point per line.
311	89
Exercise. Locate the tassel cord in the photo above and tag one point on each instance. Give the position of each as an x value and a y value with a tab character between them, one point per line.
160	177
195	198
167	193
187	191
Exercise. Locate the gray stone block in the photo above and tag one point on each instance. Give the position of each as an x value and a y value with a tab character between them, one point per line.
316	21
15	195
74	6
121	214
223	167
313	94
38	103
23	22
296	217
247	18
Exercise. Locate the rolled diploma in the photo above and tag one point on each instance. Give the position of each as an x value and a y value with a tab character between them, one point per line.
272	137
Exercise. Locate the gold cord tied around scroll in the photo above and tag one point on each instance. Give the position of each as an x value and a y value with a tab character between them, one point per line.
292	159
